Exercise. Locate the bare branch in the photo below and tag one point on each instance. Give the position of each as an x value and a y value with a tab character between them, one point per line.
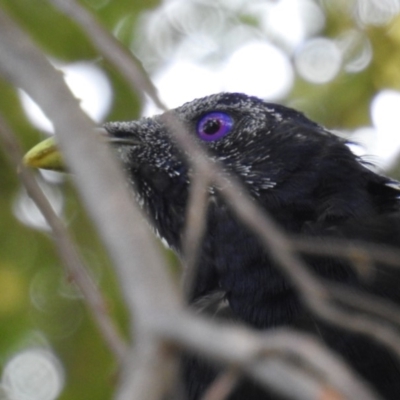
354	250
146	364
147	288
271	358
369	304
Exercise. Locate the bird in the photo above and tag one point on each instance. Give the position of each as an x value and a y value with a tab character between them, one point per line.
307	179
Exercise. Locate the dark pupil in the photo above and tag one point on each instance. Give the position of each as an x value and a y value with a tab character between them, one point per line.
211	126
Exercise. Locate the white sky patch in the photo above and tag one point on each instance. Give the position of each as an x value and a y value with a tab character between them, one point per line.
364	139
376	12
356	50
33	374
293	20
258	69
319	60
34	113
27	212
385	113
182	81
87	82
363	144
380	143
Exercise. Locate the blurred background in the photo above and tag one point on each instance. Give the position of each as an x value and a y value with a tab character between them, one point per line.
338	61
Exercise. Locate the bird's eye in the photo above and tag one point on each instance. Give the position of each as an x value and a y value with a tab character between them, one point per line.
214	126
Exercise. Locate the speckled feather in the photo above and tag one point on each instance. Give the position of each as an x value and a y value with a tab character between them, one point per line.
309	181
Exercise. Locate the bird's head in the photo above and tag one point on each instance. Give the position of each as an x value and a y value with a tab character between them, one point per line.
283	158
259	142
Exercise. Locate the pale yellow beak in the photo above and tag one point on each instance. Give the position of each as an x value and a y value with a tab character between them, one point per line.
45	155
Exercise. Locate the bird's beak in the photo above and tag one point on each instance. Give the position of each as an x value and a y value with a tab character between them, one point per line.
45	155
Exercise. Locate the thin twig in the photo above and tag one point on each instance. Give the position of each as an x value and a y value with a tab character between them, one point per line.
353	250
69	255
381	308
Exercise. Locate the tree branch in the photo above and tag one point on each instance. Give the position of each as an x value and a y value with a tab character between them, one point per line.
147	288
69	255
271	358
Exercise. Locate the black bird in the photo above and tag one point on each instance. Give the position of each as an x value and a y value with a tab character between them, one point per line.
307	179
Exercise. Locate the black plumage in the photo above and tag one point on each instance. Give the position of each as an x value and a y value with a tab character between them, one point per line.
307	179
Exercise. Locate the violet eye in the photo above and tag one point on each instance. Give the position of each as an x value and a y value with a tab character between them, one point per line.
214	126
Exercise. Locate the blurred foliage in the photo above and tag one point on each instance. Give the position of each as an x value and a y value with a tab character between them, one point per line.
28	261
